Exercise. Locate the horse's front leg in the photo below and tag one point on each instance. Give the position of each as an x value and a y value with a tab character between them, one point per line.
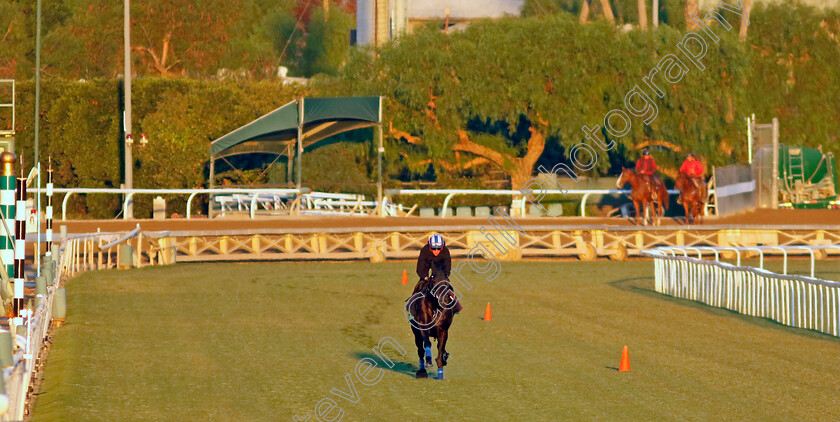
418	341
441	356
658	211
698	212
693	214
638	214
427	348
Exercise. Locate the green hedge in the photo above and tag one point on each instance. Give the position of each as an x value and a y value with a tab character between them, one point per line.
81	130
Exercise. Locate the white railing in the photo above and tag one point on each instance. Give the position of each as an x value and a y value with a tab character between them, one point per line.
129	194
77	253
27	349
586	193
797	301
249	200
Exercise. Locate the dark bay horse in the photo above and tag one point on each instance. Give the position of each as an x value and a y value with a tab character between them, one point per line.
693	191
641	195
430	315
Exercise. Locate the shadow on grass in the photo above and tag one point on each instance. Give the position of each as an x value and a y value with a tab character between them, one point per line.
404	368
645	286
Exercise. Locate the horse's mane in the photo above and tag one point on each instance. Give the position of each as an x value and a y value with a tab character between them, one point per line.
426	286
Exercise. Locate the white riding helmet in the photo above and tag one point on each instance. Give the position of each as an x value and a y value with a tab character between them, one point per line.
436	241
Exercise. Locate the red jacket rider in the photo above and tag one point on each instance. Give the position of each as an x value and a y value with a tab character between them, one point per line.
646	165
692	167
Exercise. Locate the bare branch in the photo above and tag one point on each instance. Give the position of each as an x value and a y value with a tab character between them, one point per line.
466	145
8	31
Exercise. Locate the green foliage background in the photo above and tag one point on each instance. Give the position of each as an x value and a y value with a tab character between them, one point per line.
493	81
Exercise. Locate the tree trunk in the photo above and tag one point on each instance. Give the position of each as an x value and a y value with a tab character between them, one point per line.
518	168
742	34
525	165
608	13
584	12
519	177
159	63
691	9
642	15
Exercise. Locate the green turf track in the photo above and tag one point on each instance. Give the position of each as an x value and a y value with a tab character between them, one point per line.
251	342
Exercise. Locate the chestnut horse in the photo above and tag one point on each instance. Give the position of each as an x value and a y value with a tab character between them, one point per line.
430	314
693	191
640	194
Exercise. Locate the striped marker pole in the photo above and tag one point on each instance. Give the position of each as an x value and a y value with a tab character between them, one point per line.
20	243
49	208
7	207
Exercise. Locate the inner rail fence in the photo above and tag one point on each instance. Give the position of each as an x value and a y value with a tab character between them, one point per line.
585	194
24	342
22	347
250	199
794	300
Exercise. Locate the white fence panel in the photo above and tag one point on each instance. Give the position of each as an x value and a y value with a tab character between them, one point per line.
797	301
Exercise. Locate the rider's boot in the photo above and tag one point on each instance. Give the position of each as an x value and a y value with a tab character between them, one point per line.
457	308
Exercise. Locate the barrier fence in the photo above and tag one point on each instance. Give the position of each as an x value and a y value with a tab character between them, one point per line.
304	201
793	300
28	346
29	331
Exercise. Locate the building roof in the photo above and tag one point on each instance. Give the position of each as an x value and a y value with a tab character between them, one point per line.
463	9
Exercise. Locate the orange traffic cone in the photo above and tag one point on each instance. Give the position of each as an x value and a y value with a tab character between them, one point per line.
625	360
487	314
405	277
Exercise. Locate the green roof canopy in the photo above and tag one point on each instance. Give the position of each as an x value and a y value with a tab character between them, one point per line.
322	118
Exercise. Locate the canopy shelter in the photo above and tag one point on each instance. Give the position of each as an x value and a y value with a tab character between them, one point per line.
301	123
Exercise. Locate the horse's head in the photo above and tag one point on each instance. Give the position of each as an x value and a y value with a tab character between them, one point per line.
685	182
438	272
680	182
627	175
425	286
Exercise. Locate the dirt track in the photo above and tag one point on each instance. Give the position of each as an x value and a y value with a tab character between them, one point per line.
753	218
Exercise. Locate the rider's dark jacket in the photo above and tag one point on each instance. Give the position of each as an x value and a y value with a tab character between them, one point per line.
427	261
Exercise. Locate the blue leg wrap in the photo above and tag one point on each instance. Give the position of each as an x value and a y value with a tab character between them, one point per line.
428	352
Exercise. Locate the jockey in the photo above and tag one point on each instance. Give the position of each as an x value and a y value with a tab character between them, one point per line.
693	168
646	166
435	254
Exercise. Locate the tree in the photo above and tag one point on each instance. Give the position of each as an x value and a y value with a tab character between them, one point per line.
168	38
502	93
605	7
175	36
742	33
327	42
642	14
691	10
13	39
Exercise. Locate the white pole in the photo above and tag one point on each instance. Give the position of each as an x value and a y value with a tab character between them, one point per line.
129	176
749	140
